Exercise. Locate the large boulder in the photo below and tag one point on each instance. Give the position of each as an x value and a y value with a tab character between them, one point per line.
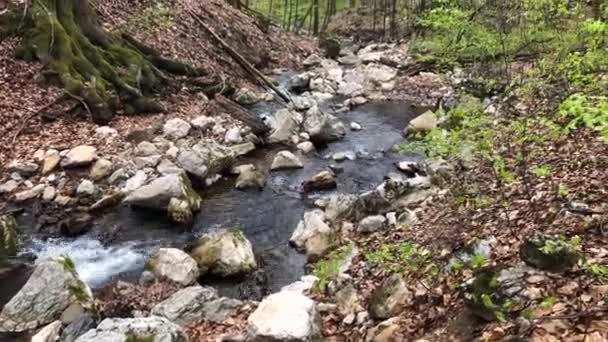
313	235
286	160
283	125
300	82
152	329
323	127
8	237
194	303
79	156
51	289
285	316
205	159
173	264
379	73
172	193
225	252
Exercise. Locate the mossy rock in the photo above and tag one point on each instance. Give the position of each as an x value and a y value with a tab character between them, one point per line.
8	237
331	46
226	252
179	211
550	253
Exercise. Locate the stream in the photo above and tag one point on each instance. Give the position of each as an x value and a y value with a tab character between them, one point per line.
266	217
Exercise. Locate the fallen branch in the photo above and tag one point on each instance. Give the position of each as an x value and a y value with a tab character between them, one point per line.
238	112
238	58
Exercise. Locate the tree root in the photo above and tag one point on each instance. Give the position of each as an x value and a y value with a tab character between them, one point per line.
105	70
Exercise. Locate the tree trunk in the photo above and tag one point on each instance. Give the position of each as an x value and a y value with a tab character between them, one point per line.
315	17
105	71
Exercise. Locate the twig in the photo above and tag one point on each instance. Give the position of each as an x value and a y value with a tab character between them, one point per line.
237	57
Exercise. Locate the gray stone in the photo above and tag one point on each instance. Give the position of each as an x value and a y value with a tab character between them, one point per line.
342	156
120	329
203	122
305	283
390	298
349	60
51	288
30	193
379	73
323	127
349	89
145	162
158	193
85	188
194	303
175	265
306	147
339	207
9	186
233	136
146	148
24	168
371	224
424	122
101	169
285	316
118	175
283	124
77	328
205	159
225	252
49	193
300	82
50	161
135	182
176	129
355	126
301	103
312	60
286	160
167	167
50	333
322	181
79	156
250	177
313	235
242	149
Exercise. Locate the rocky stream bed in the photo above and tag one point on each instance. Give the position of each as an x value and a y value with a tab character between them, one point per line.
260	195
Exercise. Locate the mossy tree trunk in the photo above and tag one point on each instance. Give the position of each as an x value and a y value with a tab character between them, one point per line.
106	70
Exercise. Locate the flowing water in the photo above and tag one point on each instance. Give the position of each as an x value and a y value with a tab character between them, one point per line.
267	217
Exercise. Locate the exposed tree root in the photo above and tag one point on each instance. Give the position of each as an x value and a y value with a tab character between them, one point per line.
106	70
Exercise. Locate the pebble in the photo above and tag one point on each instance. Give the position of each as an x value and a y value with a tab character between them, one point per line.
355	126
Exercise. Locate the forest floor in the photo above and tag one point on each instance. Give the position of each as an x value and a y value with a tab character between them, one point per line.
37	116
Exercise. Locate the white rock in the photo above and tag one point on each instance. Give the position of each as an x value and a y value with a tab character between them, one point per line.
342	156
135	182
304	284
24	168
391	218
218	130
63	200
172	152
203	122
167	167
371	224
174	265
313	235
49	193
233	136
225	252
101	169
105	132
286	160
285	316
50	333
312	60
306	147
79	156
145	162
146	148
355	126
30	193
9	186
176	128
85	188
424	122
137	329
39	155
